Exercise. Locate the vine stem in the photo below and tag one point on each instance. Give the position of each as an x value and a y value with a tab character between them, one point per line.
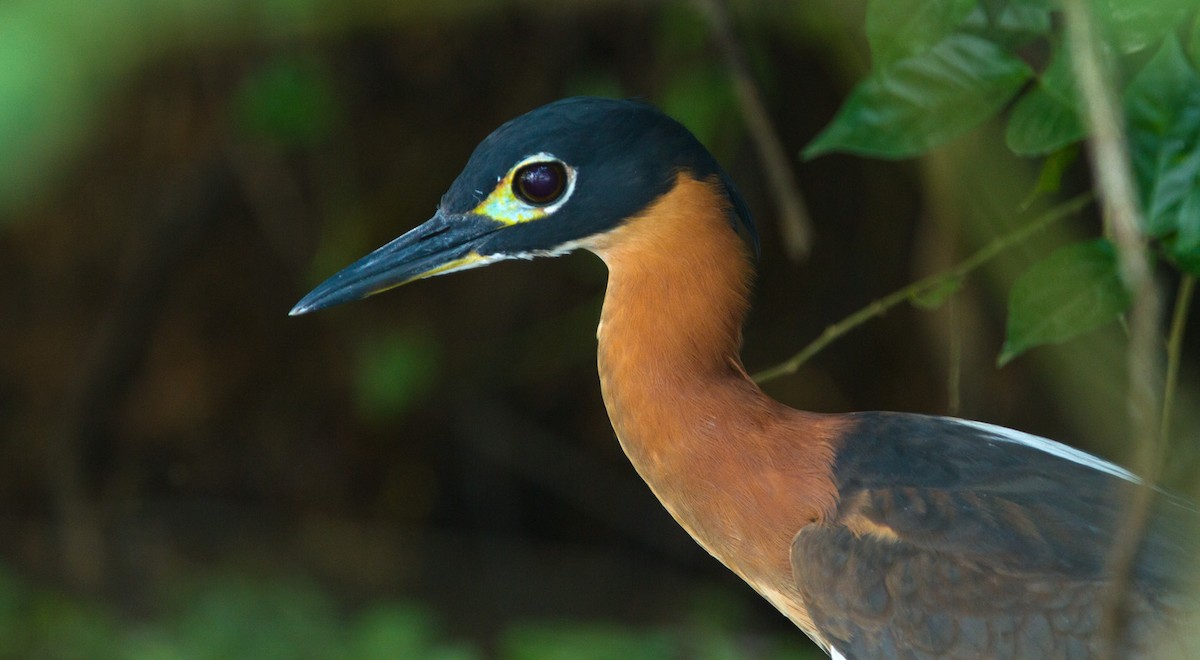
1116	191
950	277
794	223
1183	304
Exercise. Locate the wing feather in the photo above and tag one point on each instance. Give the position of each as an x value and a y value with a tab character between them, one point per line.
951	542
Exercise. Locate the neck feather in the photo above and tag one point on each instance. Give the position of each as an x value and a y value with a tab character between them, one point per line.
678	286
741	472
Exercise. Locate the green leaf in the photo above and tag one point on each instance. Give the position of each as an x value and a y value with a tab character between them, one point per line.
1010	22
1162	107
1074	290
1050	177
1041	123
1135	25
901	28
1194	42
923	101
1046	119
1184	246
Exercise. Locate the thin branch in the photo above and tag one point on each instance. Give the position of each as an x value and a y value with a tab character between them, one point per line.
922	287
954	366
1116	191
1183	304
794	223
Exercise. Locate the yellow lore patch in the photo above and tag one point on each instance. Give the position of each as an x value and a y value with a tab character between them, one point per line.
504	207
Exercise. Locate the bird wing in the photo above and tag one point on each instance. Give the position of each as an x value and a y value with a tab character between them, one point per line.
960	539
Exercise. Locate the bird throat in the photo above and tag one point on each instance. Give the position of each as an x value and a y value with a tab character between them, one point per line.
687	415
670	329
678	287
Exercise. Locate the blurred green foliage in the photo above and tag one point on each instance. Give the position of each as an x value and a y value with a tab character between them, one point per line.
603	641
402	631
393	371
700	91
1135	26
223	616
1163	107
230	615
943	67
896	30
1193	41
61	60
288	101
585	642
1045	120
47	95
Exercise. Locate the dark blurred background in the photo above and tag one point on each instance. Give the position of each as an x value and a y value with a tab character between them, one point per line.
185	471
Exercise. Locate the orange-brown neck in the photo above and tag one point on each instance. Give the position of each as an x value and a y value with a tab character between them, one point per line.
678	287
739	471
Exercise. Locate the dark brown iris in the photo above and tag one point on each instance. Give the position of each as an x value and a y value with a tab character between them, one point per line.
540	183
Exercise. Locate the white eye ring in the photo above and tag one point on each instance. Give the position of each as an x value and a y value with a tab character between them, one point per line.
568	187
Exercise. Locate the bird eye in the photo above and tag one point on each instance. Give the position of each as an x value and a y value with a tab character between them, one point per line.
540	183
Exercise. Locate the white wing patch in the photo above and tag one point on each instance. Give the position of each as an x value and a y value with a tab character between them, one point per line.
834	655
1050	447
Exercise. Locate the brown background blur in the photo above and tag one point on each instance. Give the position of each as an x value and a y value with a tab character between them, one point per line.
176	175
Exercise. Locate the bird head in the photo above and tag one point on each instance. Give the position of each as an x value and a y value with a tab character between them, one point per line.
542	184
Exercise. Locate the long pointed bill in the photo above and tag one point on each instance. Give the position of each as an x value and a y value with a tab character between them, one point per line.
444	244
